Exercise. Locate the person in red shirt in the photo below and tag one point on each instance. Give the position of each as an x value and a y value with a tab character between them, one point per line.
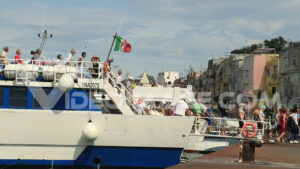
283	122
18	57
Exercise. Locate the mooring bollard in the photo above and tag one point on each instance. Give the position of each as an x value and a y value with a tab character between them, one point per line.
247	150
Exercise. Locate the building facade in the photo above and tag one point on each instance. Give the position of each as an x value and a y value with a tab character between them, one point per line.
271	76
289	81
167	78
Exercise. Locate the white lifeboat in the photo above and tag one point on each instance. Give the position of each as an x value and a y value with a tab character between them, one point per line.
58	70
13	71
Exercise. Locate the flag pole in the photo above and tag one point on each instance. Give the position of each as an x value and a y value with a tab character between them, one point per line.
121	20
112	44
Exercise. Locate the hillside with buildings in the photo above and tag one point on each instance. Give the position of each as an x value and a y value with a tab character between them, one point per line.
265	73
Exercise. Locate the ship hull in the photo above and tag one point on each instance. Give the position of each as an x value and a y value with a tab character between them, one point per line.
110	157
42	138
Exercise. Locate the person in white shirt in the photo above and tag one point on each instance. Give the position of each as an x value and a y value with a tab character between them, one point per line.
58	61
36	57
141	106
4	57
70	59
261	116
181	108
119	78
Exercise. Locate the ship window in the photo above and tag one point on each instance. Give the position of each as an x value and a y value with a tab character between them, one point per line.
18	97
1	96
41	98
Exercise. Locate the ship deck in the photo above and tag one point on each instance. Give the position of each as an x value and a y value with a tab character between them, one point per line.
283	156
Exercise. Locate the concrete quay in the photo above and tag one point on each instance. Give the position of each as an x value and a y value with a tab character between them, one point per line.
281	156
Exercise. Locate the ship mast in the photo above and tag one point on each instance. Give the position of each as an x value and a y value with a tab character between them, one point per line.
44	36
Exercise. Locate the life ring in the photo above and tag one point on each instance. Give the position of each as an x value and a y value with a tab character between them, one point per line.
254	128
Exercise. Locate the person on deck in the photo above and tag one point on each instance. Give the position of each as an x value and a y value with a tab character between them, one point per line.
4	57
129	86
162	107
170	110
109	61
18	59
225	110
58	61
261	116
198	108
36	57
181	108
96	66
119	78
70	59
107	65
81	64
81	60
241	114
129	91
141	106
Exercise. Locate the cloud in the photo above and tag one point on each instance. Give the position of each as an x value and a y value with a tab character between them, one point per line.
165	35
292	4
157	28
254	25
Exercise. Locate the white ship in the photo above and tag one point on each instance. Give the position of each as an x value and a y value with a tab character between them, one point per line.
89	125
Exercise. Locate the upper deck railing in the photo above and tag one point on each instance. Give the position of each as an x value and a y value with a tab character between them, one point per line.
49	70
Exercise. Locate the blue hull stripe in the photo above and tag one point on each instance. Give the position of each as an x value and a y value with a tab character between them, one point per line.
113	156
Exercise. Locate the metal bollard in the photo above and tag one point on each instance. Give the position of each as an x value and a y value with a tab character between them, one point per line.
247	150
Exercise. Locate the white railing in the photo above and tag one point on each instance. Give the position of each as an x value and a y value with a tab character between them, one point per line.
50	70
112	78
230	127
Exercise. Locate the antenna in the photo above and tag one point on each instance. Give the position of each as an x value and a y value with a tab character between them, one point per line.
43	19
121	21
44	36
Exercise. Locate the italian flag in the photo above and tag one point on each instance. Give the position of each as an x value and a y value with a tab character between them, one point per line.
122	45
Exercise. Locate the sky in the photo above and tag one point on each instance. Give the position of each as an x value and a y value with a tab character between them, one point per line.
164	34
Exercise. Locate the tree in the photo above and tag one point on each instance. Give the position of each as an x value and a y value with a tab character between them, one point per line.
276	43
151	79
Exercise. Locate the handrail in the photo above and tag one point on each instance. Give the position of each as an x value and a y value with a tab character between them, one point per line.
113	79
233	131
42	62
83	69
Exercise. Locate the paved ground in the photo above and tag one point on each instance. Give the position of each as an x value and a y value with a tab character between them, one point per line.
281	156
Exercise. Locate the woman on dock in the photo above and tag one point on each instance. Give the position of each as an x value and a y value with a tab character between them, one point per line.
283	121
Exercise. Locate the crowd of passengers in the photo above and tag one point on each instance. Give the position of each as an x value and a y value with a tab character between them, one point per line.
70	60
285	128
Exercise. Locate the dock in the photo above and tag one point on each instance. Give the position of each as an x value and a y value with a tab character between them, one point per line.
281	156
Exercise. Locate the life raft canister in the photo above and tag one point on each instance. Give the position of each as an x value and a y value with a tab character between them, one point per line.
254	128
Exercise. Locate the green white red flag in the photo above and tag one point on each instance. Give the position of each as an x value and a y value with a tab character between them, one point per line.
122	45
